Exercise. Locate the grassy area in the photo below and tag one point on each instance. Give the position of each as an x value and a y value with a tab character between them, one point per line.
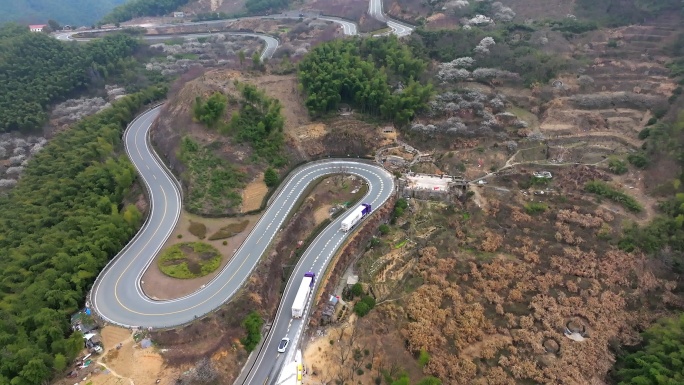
214	183
229	230
603	190
535	207
189	260
189	56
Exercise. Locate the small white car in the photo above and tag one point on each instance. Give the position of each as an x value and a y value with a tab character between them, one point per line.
282	346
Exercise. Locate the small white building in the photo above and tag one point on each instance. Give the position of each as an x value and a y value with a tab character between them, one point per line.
179	15
37	27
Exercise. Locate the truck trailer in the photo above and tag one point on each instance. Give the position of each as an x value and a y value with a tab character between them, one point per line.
355	216
303	295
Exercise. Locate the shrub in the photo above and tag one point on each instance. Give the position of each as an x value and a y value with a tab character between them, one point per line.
270	177
229	230
638	160
210	111
645	133
364	306
370	301
617	166
357	290
198	229
535	207
252	325
423	357
384	229
361	308
602	189
652	121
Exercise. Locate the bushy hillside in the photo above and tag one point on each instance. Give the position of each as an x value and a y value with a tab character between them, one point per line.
37	70
72	12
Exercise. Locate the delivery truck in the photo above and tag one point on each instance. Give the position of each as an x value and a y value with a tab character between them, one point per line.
355	216
302	297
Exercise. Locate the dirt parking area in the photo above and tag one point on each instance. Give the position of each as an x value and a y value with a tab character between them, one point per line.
129	364
428	182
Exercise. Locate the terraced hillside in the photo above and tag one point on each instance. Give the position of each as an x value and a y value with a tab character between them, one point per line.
601	110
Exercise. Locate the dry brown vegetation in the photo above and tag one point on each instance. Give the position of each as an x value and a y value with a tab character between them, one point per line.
492	293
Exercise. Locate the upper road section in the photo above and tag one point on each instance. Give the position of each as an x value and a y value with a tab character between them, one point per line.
399	29
117	295
272	43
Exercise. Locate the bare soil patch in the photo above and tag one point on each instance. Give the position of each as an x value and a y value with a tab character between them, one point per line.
322	213
159	286
365	344
253	195
127	365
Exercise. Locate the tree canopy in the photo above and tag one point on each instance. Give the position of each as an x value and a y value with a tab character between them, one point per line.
359	72
660	361
36	70
58	228
259	122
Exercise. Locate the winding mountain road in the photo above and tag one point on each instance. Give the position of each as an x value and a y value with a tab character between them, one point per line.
397	28
117	295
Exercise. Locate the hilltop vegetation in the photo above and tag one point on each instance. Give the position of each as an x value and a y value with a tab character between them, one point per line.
365	73
71	12
139	8
60	225
37	70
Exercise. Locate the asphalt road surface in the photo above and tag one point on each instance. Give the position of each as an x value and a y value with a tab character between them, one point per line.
270	48
315	259
272	43
117	295
399	29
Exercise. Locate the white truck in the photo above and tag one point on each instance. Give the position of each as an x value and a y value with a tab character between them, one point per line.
303	295
355	217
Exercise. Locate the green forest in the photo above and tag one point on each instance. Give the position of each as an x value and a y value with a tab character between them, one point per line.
138	8
664	140
37	70
58	228
660	359
71	12
360	72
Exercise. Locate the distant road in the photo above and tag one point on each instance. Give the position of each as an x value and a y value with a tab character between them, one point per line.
348	28
399	29
270	48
